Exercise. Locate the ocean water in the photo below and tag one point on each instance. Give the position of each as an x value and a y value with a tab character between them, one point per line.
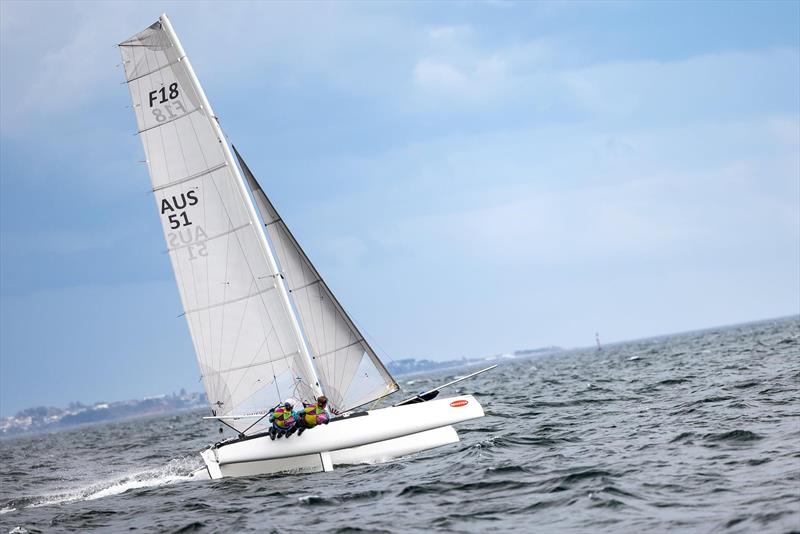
698	432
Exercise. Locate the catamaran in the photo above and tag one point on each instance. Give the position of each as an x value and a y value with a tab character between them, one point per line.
264	324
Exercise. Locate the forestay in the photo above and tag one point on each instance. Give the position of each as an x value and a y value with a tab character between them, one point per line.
349	370
248	344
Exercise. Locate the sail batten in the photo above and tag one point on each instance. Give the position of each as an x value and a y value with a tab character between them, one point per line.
340	351
192	177
254	364
317	281
169	121
206	239
230	301
155	70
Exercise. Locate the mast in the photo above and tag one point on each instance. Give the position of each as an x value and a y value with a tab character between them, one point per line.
268	253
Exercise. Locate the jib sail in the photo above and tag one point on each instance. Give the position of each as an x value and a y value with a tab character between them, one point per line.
349	370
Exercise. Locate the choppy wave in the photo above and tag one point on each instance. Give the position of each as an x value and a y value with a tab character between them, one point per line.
177	470
694	432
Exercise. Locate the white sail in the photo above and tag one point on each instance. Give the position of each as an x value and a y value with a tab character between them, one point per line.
248	342
349	370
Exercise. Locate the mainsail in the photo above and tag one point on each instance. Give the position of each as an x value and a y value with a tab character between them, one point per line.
257	341
349	370
248	342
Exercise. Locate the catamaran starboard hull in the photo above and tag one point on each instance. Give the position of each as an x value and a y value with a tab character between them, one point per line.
373	436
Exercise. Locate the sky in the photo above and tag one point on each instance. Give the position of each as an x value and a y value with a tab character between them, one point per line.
470	178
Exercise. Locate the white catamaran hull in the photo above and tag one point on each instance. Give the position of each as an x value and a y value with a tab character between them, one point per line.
372	436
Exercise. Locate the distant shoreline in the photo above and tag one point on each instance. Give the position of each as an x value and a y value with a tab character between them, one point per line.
46	419
795	317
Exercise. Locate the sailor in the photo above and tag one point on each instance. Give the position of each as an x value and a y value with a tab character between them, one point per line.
314	414
283	419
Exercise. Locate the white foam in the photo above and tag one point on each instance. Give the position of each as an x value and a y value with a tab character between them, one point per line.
135	482
177	470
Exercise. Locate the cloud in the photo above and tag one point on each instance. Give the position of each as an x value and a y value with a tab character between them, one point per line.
449	34
706	85
71	71
546	73
407	67
483	80
455	70
62	69
438	76
556	196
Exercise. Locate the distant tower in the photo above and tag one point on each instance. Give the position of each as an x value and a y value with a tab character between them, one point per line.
597	339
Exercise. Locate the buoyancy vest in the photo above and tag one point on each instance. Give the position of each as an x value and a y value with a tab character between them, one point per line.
283	418
314	415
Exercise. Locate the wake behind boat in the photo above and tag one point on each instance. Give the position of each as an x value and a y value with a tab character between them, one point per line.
264	324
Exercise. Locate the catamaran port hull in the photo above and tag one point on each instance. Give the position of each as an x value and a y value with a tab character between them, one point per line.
364	437
311	463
